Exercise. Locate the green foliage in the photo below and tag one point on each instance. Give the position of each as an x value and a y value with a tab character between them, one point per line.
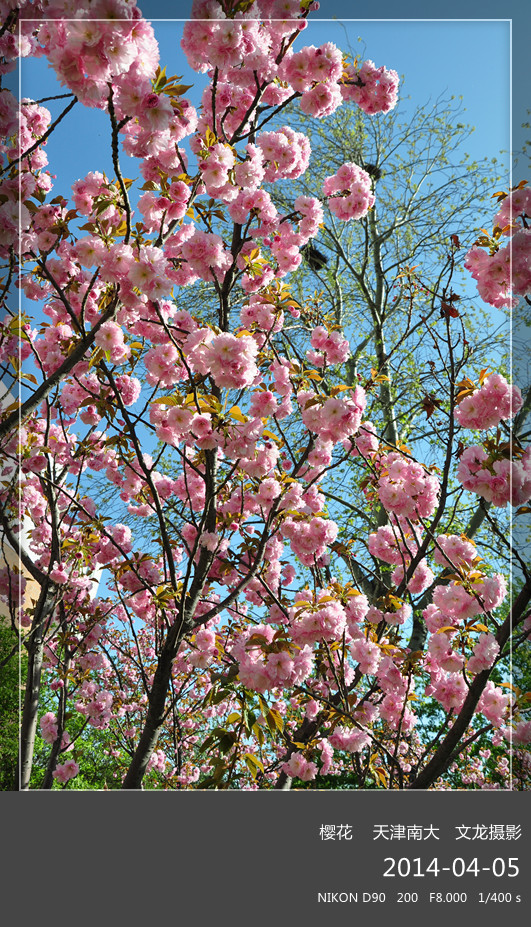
9	706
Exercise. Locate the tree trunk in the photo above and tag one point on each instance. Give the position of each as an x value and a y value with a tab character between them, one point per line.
154	720
45	608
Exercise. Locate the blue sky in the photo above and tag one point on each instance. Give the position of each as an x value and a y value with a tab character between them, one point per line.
468	58
436	11
435	58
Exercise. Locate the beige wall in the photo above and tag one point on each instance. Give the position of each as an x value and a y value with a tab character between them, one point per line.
31	592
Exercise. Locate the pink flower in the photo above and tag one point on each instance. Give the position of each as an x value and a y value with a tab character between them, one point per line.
49	729
286	154
155	111
521	734
485	652
454	551
299	767
59	574
496	401
110	338
493	704
375	90
367	654
349	192
263	404
406	488
322	100
66	772
351	740
309	539
90	251
320	621
498	481
232	360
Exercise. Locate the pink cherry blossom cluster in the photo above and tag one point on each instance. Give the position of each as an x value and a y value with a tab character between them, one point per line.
375	90
454	550
502	274
254	206
110	338
456	602
312	216
284	246
421	579
309	539
158	760
516	204
365	443
215	166
242	49
63	772
234	101
34	121
405	487
263	314
11	343
300	767
211	40
356	610
158	209
328	347
494	704
333	418
15	217
487	470
19	42
442	653
323	618
492	274
286	154
204	647
485	652
44	227
312	65
520	734
49	728
352	740
204	253
500	481
315	73
231	360
366	653
494	402
395	707
86	190
349	192
396	544
448	688
95	704
9	121
262	666
395	614
155	140
452	603
88	53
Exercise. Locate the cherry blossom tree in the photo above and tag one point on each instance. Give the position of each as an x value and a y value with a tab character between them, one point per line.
220	632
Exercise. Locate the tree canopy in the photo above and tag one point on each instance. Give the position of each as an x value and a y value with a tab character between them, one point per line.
267	454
